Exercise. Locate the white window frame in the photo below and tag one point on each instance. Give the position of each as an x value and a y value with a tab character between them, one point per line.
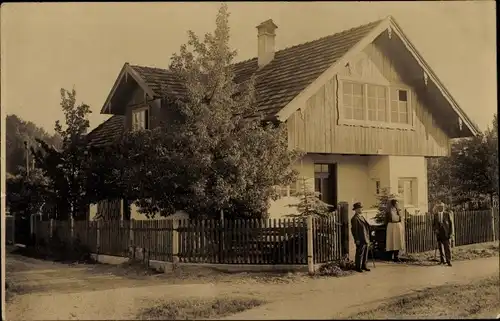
408	102
287	191
414	190
375	123
143	124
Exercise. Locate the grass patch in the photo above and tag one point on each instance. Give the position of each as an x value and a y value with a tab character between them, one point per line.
463	253
11	289
475	300
197	309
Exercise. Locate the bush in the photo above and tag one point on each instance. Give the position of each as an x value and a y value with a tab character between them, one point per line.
337	268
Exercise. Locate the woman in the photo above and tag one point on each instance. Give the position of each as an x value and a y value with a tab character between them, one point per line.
394	241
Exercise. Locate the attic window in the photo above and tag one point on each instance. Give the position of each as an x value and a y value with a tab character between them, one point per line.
140	118
363	103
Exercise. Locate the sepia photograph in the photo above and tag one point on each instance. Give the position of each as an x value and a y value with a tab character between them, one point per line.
249	160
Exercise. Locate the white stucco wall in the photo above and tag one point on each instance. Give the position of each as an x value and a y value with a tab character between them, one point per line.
411	167
352	181
356	177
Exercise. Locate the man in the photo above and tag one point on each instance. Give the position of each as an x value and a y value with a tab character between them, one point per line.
443	228
360	230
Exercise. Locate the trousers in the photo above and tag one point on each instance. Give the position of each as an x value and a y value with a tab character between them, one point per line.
361	255
444	244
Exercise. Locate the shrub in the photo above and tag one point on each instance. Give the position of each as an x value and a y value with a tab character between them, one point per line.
341	267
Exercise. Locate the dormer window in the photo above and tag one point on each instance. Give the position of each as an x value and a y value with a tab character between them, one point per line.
140	118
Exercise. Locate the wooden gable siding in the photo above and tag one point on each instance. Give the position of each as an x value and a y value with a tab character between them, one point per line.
315	128
137	101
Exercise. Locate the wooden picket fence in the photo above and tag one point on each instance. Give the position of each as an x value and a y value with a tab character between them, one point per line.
9	229
470	227
251	241
328	238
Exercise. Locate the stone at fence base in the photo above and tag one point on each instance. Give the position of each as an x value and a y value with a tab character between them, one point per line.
175	262
166	267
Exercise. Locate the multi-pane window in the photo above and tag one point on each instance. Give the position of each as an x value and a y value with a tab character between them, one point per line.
289	190
377	187
375	103
321	174
354	101
407	189
140	119
399	106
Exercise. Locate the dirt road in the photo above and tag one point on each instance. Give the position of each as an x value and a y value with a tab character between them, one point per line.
52	291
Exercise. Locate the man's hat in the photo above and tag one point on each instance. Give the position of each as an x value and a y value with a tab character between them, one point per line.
356	206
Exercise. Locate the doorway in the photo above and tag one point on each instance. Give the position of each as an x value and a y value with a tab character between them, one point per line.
325	183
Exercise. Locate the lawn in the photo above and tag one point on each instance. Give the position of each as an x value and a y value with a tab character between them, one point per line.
477	300
462	253
197	309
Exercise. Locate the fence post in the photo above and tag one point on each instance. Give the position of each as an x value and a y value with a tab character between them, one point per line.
452	218
51	224
32	224
13	219
344	217
310	245
493	227
175	242
71	228
98	236
131	240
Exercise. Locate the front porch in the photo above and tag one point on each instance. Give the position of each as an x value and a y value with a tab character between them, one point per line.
358	178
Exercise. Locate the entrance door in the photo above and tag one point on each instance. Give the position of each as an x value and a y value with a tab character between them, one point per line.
325	183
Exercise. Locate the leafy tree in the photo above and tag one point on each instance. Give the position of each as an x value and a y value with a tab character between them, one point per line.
26	194
491	137
310	202
209	156
19	131
471	171
67	168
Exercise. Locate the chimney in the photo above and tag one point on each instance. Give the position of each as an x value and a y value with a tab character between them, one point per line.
265	42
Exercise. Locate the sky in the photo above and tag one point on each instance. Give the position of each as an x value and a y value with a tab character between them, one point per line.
46	46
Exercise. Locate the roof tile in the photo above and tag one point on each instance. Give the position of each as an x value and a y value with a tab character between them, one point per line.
276	84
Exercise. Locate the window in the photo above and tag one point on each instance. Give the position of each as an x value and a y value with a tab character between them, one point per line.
321	175
289	190
399	106
140	119
354	101
378	189
375	103
407	190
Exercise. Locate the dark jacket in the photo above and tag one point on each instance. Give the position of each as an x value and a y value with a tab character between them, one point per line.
443	229
360	229
389	215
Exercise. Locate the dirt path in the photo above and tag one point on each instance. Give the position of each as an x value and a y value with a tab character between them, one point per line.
55	291
339	298
61	292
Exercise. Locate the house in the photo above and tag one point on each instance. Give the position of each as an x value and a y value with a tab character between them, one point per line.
363	104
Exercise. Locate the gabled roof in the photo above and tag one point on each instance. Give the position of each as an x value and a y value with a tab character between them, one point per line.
107	132
277	83
295	73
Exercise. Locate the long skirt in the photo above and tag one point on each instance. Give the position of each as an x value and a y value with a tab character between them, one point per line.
394	240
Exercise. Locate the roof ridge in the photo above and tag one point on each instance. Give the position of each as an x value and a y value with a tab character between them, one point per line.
290	47
331	35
